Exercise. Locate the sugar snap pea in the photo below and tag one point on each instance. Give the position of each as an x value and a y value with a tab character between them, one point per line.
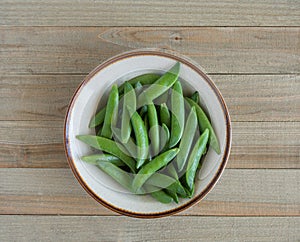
154	129
160	180
187	139
165	115
138	87
144	79
172	170
160	86
111	112
177	116
150	168
143	111
161	196
204	123
96	158
108	146
141	137
129	99
194	159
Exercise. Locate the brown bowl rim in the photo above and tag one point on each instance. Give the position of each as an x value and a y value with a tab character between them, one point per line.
192	65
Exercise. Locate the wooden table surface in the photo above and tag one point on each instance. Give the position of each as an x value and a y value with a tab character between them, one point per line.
250	48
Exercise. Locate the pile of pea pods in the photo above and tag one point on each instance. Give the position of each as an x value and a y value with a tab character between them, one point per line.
157	145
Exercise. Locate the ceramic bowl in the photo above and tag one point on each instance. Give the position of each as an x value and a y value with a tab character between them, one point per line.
84	104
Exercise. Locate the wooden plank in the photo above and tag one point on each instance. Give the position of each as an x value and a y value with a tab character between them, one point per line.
56	191
109	228
154	13
249	97
254	144
34	50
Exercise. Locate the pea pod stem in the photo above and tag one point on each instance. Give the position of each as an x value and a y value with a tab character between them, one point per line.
204	123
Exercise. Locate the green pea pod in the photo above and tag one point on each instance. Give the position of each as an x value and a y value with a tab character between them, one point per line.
154	129
195	97
108	146
177	116
119	175
150	168
141	137
160	86
96	158
204	123
129	99
163	98
98	118
165	115
161	196
173	194
187	139
164	137
194	159
145	79
111	112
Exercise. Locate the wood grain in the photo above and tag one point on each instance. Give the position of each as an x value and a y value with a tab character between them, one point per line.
154	13
56	191
249	97
35	50
109	228
254	144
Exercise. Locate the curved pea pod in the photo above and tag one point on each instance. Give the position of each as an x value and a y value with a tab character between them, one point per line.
119	175
160	86
150	168
204	123
145	79
164	137
108	146
187	139
96	158
111	112
141	137
195	97
194	159
172	171
165	117
177	114
129	99
154	128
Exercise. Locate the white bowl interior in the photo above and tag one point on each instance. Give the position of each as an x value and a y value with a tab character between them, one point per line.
85	107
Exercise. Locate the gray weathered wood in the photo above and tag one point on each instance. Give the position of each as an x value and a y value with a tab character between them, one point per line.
238	193
153	13
249	97
254	144
219	50
109	228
